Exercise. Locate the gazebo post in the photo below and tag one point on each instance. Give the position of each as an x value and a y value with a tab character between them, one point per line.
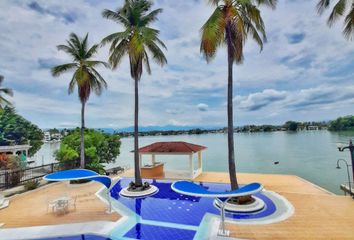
153	159
191	167
140	157
200	164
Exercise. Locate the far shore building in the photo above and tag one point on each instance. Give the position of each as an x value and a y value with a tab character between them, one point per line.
19	150
155	169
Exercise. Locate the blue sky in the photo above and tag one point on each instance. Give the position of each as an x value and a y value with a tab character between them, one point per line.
304	72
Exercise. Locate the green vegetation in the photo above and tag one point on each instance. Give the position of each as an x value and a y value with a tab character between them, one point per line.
342	124
99	148
15	130
85	76
31	185
137	40
338	11
13	163
7	91
229	25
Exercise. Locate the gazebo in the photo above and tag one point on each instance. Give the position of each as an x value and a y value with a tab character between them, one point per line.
156	169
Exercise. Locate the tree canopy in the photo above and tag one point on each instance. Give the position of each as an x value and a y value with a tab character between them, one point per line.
99	148
15	130
342	124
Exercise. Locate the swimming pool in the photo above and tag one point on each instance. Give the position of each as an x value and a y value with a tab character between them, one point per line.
169	215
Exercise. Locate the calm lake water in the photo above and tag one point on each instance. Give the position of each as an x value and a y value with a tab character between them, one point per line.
309	154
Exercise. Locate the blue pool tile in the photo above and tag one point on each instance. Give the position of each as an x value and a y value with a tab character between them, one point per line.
169	206
151	232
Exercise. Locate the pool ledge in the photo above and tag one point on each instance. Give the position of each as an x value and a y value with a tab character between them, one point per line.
102	228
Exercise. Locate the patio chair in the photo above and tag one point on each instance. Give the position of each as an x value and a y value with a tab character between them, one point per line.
50	205
61	207
72	202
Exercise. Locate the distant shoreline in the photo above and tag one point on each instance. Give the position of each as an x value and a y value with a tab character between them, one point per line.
202	131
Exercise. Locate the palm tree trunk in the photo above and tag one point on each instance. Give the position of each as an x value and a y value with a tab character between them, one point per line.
230	121
137	175
82	146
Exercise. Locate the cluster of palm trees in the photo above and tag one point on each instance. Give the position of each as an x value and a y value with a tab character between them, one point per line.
230	24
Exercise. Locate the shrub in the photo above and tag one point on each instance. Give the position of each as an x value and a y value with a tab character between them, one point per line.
30	185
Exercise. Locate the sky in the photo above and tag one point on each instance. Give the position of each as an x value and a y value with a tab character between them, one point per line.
304	72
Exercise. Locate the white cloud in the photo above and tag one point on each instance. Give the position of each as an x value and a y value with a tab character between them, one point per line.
283	82
202	107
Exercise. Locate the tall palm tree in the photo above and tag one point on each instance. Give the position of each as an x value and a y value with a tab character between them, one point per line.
339	10
3	101
231	23
85	76
138	40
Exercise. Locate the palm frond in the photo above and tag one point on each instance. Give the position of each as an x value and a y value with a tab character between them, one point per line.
58	70
7	91
337	12
75	42
4	102
94	63
349	25
92	51
322	5
83	46
72	83
157	54
69	50
147	62
118	53
97	83
115	16
214	2
151	17
213	32
115	36
269	3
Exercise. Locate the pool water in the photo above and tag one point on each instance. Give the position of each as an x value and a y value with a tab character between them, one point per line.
170	215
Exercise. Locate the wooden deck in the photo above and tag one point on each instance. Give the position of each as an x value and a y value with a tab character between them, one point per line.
319	214
30	209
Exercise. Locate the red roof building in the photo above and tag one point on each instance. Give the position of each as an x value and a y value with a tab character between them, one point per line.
156	169
171	147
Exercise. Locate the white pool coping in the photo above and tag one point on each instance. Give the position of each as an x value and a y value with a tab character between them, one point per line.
102	228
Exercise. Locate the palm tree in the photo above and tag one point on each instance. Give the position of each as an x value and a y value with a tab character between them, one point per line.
231	23
138	40
7	91
85	76
338	11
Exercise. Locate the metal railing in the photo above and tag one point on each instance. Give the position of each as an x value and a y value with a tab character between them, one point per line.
13	178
